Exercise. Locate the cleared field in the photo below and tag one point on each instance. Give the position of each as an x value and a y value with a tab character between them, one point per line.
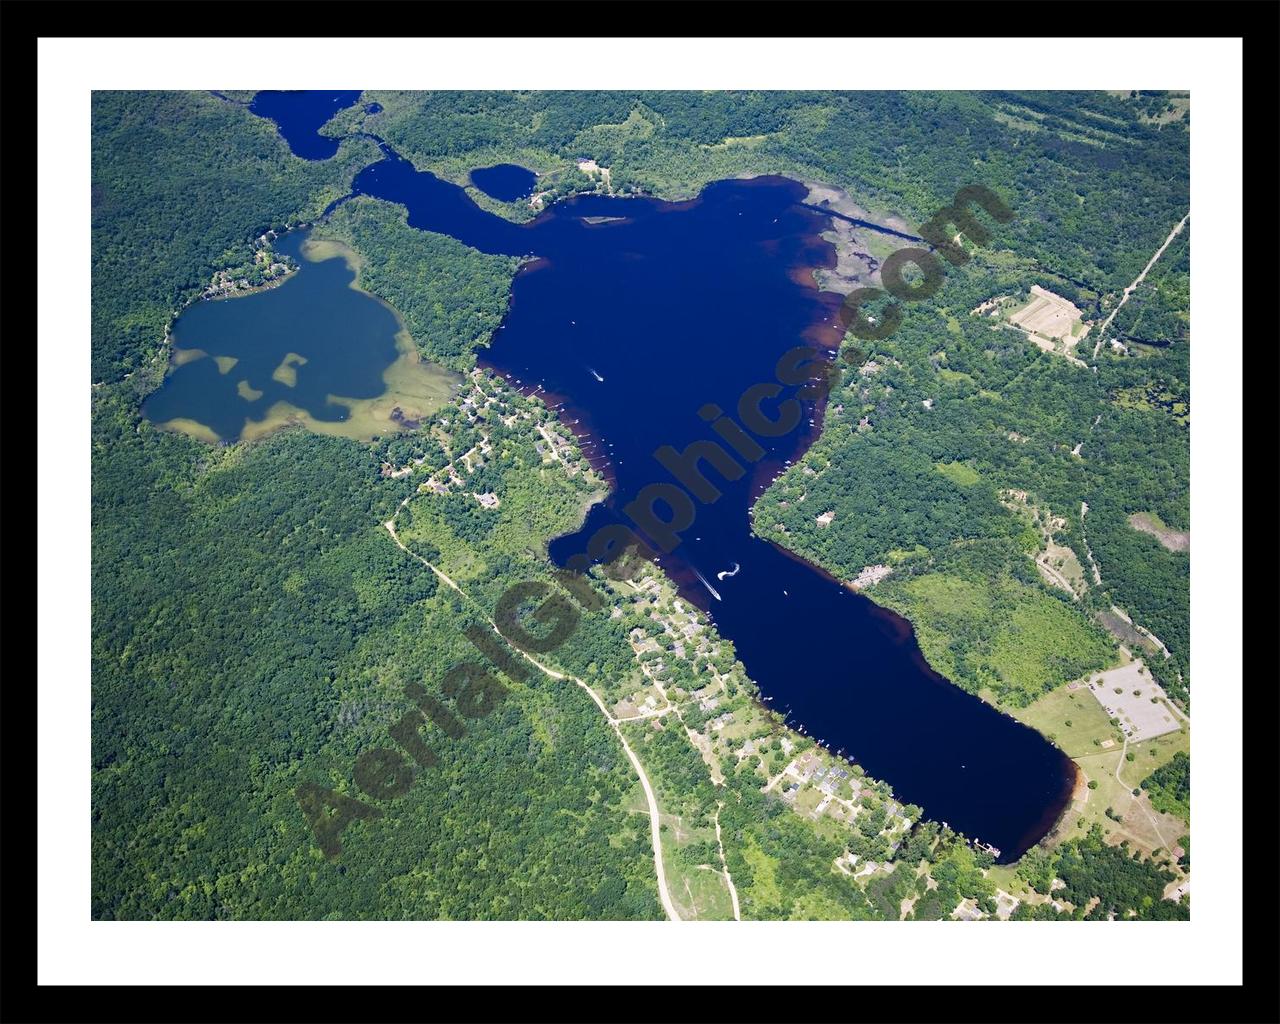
1132	818
699	892
959	473
1051	322
1071	719
1150	523
1047	314
1104	793
1061	568
1125	633
1139	822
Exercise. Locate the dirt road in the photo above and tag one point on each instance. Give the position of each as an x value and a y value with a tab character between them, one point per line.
654	824
1138	800
1137	281
728	879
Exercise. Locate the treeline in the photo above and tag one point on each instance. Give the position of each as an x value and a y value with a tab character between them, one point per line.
1101	882
1144	463
1095	187
1116	881
451	297
1169	786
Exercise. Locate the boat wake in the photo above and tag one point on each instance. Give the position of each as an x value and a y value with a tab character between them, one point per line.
710	589
726	575
596	375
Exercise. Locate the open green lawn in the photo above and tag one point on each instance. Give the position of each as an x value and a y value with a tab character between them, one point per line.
1005	876
1073	720
959	473
1147	830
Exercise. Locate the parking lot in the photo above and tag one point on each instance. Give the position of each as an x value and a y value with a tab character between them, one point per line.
1126	693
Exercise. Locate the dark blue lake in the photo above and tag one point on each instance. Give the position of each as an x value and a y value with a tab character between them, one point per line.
507	182
301	114
640	322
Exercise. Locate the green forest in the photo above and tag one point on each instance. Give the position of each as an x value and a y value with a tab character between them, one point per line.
450	296
1170	786
257	631
255	628
1099	184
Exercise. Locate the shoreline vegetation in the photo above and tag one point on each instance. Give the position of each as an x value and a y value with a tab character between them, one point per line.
858	261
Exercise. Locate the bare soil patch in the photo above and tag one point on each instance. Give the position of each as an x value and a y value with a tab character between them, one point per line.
1149	523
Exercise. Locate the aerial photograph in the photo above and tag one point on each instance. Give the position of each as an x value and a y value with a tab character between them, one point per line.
653	505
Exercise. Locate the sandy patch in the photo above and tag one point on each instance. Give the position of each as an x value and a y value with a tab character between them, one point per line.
286	373
1051	322
182	356
1149	523
191	428
870	576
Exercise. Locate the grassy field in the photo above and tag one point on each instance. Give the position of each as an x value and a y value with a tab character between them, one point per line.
693	871
1082	740
1015	638
1073	720
699	893
1143	826
1005	876
959	473
1140	823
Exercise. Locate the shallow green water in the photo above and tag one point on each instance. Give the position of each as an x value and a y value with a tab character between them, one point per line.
309	339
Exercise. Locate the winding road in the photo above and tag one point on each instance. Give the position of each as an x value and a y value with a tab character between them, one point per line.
654	823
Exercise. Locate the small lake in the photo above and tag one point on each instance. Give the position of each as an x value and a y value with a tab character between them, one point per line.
507	182
299	115
312	349
637	316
